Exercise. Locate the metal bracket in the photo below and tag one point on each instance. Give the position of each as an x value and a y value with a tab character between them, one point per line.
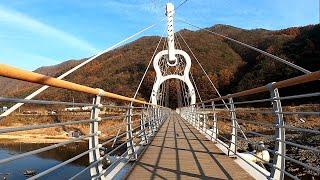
277	172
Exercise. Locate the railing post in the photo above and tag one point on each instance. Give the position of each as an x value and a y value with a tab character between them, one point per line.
150	126
129	134
154	123
94	140
193	115
277	172
143	127
204	127
192	110
215	127
204	122
197	117
233	145
158	117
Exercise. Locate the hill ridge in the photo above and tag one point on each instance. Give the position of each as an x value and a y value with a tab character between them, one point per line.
231	67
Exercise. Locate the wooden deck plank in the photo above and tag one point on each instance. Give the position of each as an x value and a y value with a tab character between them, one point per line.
179	151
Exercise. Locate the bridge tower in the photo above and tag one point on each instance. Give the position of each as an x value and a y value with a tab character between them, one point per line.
172	58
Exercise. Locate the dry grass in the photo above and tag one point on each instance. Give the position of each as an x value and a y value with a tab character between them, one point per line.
108	128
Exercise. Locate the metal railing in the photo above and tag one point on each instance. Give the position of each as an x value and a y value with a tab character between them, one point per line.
278	134
139	123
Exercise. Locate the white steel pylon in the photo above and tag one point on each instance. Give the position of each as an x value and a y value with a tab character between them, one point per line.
172	61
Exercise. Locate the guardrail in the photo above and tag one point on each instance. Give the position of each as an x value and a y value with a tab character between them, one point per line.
274	138
140	123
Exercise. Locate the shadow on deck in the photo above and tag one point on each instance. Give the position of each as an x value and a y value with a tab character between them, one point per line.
179	151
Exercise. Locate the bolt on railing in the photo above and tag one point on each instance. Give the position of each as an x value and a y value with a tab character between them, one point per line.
280	146
94	140
233	145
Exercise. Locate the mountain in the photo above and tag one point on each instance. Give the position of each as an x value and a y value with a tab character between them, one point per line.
230	66
16	88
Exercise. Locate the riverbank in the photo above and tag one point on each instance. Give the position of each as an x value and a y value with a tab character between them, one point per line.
31	138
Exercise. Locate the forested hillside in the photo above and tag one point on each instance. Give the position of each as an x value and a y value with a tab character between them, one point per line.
231	67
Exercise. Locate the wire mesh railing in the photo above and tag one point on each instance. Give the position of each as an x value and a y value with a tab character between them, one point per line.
279	140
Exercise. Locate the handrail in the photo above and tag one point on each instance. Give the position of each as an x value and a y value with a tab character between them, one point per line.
24	75
281	84
262	127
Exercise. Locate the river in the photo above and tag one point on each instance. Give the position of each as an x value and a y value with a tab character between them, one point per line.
40	162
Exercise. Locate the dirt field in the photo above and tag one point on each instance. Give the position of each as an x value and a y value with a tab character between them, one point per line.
108	127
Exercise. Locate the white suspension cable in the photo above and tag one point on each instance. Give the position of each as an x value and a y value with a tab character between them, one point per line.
251	47
145	72
195	85
180	4
210	81
201	66
43	88
182	84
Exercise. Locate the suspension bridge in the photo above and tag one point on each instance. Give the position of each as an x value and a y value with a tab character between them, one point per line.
201	140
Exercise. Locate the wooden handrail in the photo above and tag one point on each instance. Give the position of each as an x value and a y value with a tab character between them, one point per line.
19	74
281	84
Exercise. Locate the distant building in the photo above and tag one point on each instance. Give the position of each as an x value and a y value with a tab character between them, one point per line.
52	112
72	109
3	109
86	108
74	134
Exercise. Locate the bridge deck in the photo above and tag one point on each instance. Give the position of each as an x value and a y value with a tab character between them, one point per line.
179	151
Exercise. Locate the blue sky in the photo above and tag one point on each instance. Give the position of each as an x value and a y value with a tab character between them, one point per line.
35	33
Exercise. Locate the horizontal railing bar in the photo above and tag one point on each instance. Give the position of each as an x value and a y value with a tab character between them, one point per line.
91	165
281	84
302	113
299	96
26	128
287	113
72	159
255	143
19	74
43	102
102	173
254	112
123	107
269	99
119	146
223	117
119	116
296	161
270	112
300	129
105	170
300	146
110	140
37	151
235	152
121	157
252	101
258	123
275	152
50	147
272	151
61	164
256	133
300	163
243	102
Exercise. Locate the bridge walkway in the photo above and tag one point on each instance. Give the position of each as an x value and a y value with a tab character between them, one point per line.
179	151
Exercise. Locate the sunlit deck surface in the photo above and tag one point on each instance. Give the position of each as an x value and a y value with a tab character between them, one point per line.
179	151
